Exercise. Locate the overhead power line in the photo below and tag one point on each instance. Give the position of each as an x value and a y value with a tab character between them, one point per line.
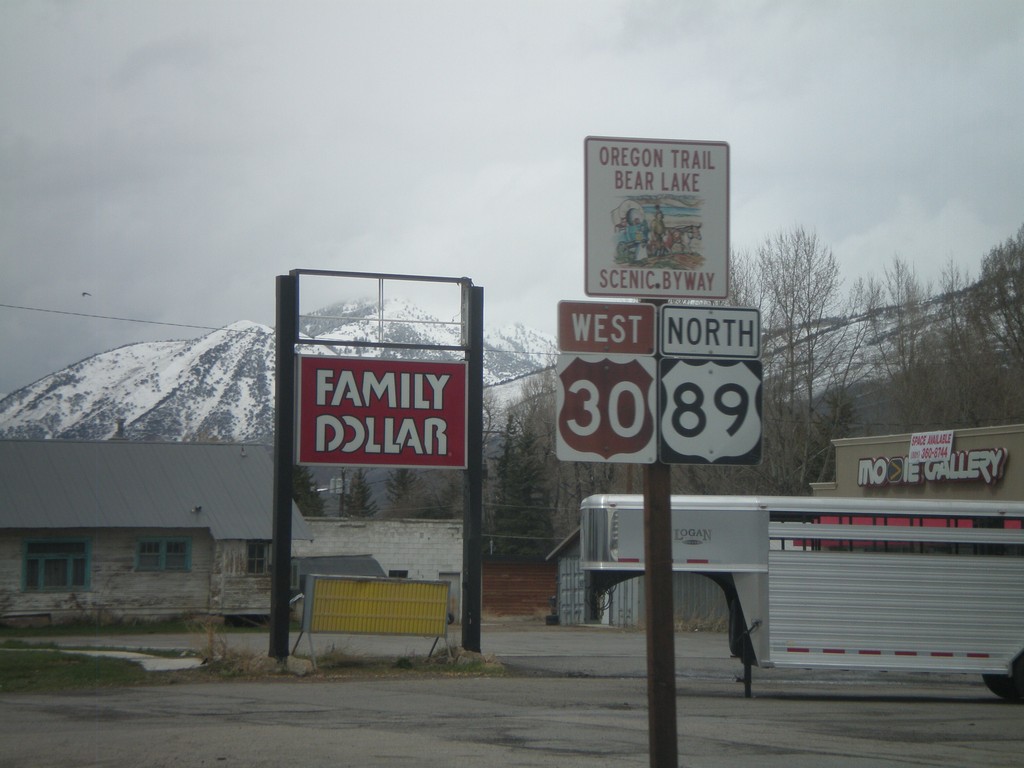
528	353
110	317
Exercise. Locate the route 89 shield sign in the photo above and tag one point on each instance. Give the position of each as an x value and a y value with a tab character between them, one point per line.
606	409
710	411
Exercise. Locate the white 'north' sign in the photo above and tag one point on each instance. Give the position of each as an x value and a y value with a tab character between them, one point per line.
732	332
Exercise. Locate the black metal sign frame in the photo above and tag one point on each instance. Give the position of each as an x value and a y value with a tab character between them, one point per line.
287	339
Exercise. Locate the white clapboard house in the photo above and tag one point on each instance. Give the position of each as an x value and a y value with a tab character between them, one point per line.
118	530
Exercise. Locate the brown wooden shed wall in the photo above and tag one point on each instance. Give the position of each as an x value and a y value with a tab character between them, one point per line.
517	588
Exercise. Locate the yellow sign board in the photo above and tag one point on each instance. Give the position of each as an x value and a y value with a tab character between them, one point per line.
348	605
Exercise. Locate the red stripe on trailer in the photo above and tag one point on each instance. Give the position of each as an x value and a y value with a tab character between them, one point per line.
876	652
698	562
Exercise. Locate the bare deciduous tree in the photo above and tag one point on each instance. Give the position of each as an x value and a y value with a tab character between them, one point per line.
903	346
809	352
1002	281
886	356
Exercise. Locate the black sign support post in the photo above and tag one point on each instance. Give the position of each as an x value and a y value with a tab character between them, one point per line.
472	536
284	446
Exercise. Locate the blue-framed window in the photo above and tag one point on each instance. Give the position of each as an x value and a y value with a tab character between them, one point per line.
55	564
163	554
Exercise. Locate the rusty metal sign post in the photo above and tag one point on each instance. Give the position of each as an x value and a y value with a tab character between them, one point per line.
659	605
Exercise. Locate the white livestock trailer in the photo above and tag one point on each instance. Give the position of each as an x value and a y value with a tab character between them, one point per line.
880	584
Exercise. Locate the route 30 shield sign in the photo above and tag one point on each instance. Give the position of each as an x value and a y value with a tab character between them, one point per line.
710	411
606	409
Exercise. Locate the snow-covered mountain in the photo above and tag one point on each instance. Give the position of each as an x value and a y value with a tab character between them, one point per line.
217	386
509	353
220	386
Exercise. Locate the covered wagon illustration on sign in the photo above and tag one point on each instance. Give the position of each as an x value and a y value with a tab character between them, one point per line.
662	232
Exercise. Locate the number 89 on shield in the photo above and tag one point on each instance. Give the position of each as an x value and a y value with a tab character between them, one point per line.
709	411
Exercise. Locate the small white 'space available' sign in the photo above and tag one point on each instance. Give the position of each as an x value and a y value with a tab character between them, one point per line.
657	218
931	446
393	413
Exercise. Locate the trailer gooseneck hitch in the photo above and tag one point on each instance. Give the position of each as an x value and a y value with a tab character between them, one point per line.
748	658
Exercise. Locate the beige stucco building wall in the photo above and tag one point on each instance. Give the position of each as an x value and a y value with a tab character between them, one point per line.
987	465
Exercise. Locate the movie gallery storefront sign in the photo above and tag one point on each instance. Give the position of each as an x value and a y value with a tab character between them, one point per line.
983	465
396	413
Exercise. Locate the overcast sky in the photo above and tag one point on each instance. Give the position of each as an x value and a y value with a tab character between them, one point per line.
171	158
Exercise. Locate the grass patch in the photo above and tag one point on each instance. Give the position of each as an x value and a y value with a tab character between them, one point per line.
339	663
92	628
129	628
34	666
167	653
23	646
38	669
44	670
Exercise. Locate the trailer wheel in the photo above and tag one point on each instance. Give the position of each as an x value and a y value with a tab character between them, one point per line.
1008	687
1002	686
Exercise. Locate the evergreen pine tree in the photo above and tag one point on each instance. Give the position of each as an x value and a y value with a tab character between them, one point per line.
445	496
522	518
359	500
304	492
403	492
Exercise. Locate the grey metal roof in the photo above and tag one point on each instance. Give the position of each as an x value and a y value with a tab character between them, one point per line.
225	487
570	540
340	565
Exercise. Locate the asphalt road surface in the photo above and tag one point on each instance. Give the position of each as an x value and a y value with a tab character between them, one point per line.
578	698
